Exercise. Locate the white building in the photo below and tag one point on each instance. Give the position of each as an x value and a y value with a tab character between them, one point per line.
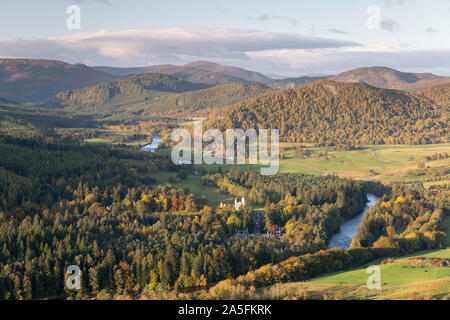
239	205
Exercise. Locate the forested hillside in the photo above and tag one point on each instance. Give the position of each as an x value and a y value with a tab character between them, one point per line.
439	94
330	113
134	89
410	219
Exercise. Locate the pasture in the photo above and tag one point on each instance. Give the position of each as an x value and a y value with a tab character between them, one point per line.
399	280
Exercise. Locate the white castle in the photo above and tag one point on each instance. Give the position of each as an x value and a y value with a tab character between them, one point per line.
238	205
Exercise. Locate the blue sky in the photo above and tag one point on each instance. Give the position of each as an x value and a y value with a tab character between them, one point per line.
286	37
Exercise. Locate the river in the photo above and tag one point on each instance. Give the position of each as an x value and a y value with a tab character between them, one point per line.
152	147
343	238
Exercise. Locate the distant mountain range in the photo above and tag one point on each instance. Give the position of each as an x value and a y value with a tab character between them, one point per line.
29	80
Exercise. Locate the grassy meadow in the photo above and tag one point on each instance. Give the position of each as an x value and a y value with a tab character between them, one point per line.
399	280
385	163
396	273
193	183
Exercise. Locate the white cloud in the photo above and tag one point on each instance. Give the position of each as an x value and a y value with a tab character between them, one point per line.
137	47
300	62
268	52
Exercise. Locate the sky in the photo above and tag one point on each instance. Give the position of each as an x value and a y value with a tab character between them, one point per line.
282	37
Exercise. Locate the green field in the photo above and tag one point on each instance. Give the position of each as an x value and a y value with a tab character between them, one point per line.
113	137
392	274
193	183
399	279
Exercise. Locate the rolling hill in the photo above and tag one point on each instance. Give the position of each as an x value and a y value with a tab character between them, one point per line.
30	80
382	77
337	113
122	91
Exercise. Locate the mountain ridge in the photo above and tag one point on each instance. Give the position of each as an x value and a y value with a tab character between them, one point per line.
438	93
